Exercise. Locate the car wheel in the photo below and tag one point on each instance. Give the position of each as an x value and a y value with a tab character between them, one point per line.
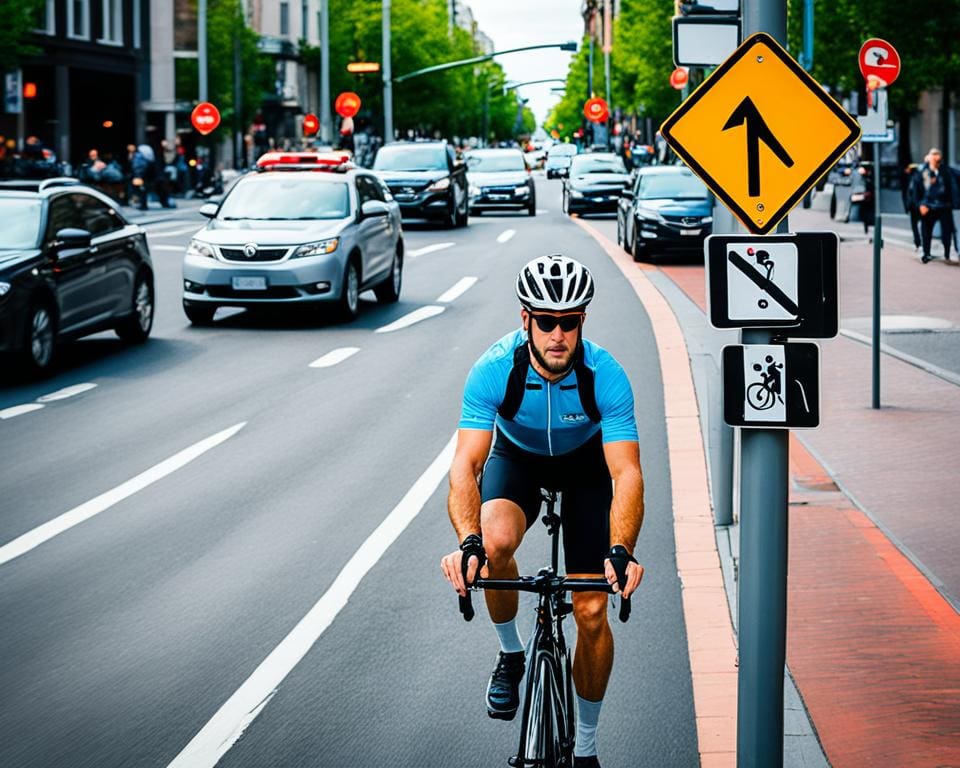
136	327
641	252
532	210
565	204
463	215
619	232
833	206
348	306
199	314
40	342
389	290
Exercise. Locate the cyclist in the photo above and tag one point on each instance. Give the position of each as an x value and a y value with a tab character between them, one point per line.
567	424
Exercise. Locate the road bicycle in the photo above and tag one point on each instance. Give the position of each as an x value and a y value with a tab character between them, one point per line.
548	725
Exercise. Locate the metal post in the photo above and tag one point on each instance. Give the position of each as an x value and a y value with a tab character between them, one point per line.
763	537
202	47
326	120
387	77
877	245
237	104
607	46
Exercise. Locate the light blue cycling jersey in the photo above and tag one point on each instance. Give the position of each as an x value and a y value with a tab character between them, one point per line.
551	420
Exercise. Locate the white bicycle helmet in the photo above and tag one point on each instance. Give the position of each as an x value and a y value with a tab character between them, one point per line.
554	283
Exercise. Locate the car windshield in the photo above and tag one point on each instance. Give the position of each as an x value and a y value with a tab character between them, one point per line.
674	186
583	164
562	150
284	199
508	161
410	159
21	222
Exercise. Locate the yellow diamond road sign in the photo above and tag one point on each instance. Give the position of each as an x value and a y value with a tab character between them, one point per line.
760	132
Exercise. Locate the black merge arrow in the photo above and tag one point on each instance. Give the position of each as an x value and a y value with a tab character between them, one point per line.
757	131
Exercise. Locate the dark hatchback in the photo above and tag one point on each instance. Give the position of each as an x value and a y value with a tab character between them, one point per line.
70	266
595	183
426	180
668	209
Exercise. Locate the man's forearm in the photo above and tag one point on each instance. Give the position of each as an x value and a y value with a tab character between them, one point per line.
626	510
463	503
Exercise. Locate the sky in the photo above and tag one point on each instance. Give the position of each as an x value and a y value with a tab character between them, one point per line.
518	23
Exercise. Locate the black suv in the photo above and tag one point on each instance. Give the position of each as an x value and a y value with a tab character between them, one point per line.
426	179
70	265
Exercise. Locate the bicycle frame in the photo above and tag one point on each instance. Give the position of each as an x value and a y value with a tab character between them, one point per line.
548	726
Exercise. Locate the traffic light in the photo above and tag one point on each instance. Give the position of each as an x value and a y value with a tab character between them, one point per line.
29	90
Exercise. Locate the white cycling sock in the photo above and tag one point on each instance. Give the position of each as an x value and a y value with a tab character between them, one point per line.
588	715
509	635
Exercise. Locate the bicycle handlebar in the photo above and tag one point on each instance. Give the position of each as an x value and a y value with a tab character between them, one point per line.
542	585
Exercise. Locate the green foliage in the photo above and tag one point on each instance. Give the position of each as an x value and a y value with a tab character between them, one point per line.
20	17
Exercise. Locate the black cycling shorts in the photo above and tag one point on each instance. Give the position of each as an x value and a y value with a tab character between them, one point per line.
583	479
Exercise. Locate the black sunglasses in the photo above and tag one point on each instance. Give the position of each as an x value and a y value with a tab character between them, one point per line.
567	323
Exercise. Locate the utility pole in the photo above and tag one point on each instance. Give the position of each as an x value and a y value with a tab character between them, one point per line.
762	625
326	127
387	76
238	155
607	47
202	47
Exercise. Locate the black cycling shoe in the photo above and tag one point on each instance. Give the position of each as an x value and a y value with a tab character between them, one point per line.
503	690
586	762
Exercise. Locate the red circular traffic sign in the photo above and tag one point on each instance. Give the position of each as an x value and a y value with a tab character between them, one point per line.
347	104
596	110
679	78
879	59
311	124
205	117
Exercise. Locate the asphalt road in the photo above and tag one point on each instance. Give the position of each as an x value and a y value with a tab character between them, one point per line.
215	579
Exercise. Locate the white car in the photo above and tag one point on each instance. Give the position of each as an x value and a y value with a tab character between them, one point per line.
307	229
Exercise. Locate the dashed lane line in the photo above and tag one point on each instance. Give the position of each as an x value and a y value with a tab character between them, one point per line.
161	247
23	544
429	249
175	232
461	287
224	729
60	394
334	357
18	410
506	235
423	313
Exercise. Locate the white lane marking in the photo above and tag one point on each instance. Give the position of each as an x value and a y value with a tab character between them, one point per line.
175	232
63	394
334	357
414	317
160	247
429	249
23	544
16	410
228	724
457	290
506	235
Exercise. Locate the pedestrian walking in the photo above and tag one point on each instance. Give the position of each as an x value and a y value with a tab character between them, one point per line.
142	173
910	201
935	190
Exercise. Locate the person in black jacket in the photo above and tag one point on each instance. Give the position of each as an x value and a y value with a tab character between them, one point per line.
935	190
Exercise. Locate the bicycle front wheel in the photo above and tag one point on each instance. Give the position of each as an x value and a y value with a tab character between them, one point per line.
545	718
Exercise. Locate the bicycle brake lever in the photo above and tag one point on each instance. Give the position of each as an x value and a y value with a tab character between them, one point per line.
624	609
466	606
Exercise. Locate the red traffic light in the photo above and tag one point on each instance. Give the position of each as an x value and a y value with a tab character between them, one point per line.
205	117
347	104
29	90
596	110
311	124
679	78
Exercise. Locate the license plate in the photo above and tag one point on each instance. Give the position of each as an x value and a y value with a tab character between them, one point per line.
249	283
689	231
499	197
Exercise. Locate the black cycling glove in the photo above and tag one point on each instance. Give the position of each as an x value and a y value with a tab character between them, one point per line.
472	546
619	557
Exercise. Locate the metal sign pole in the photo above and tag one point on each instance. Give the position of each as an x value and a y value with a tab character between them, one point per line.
877	245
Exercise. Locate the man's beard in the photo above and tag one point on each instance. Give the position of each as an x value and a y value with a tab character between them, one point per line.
557	366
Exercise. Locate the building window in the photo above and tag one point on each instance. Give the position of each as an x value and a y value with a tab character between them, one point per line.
112	22
284	19
304	15
137	21
46	18
78	19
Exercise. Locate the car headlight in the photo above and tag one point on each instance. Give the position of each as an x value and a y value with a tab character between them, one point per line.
439	186
649	216
319	248
4	288
473	191
575	193
200	248
707	220
521	191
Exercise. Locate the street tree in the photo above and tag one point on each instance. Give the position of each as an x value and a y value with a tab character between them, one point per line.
20	18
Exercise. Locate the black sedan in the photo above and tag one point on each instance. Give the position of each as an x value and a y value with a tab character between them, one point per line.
667	209
595	183
70	266
426	179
